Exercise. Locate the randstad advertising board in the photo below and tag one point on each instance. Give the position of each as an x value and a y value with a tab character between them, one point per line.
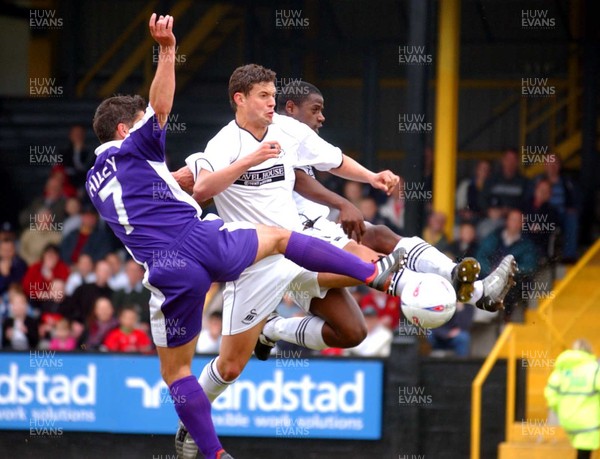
48	393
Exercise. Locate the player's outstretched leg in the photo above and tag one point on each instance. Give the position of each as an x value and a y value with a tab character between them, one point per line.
333	321
320	256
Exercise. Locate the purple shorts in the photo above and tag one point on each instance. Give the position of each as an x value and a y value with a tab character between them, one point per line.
178	277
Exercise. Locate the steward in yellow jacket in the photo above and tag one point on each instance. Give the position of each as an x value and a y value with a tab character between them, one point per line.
573	392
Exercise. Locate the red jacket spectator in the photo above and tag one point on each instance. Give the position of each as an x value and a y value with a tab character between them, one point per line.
128	338
38	279
387	307
120	340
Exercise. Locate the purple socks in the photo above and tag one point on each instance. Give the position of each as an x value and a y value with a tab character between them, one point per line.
193	409
321	257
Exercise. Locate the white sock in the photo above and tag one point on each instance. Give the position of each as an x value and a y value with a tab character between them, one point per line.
303	331
212	382
424	258
400	279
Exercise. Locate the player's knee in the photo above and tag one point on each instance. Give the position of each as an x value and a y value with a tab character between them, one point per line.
359	334
274	238
230	370
380	238
353	336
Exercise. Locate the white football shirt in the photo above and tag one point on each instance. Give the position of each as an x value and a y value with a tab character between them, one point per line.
263	194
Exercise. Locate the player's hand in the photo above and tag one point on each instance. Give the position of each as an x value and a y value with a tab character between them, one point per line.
352	221
385	181
161	30
267	150
185	179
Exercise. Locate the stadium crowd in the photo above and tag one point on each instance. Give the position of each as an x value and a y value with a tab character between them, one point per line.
67	284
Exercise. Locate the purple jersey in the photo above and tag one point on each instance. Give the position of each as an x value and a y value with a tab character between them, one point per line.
135	193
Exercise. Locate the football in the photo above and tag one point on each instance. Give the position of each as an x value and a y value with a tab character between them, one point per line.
428	301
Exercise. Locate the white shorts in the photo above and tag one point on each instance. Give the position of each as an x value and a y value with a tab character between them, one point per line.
260	288
328	231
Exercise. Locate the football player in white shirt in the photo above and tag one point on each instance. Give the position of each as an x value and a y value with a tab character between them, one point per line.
304	102
244	188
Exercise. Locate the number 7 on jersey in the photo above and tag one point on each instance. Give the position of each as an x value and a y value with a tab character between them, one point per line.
113	187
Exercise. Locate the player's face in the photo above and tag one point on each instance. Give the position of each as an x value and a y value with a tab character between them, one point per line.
259	105
310	112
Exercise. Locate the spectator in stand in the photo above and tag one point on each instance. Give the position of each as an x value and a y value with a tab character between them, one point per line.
51	309
118	277
38	279
493	221
91	238
500	243
134	294
466	245
81	273
209	339
353	192
434	234
42	230
19	331
62	337
53	200
378	342
541	221
394	208
454	335
68	190
128	337
56	297
78	307
6	300
469	195
508	186
73	220
77	157
565	199
8	231
386	306
12	266
100	324
368	207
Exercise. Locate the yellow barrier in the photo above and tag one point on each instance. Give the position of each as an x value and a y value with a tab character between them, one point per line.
507	334
514	336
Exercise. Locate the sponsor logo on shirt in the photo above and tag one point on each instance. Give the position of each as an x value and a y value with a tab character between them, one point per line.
262	176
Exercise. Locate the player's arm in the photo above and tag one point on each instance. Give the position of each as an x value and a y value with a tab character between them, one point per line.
315	151
352	170
210	183
351	218
162	89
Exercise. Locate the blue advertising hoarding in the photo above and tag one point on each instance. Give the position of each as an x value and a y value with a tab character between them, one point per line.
45	392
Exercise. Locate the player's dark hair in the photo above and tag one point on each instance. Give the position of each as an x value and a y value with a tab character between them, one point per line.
297	92
245	77
115	110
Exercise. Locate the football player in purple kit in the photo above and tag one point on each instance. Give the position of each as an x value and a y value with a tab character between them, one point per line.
182	253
